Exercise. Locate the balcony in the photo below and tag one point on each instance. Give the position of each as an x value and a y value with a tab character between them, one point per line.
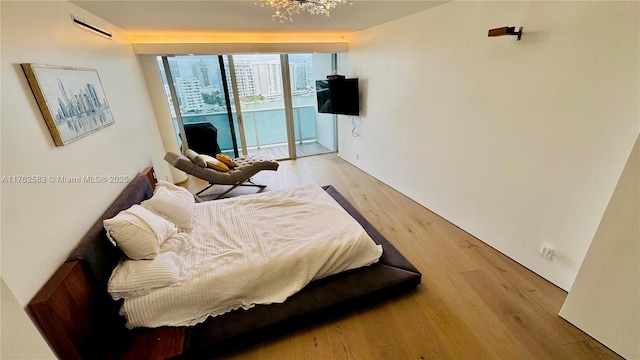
266	131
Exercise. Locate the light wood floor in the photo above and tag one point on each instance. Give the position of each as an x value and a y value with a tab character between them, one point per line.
473	303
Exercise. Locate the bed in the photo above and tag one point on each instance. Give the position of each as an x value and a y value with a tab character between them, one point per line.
81	320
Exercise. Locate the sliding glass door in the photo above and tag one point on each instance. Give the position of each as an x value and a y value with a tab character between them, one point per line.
258	104
198	88
315	133
259	86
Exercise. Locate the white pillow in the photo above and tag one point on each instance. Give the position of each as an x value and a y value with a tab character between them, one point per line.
179	243
136	278
195	157
138	232
174	203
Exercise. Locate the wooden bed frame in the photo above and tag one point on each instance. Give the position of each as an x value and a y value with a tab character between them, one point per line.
78	318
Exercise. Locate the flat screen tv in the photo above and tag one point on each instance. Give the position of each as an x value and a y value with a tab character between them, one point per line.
338	96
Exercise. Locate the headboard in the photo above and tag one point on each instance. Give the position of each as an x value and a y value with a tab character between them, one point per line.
96	253
73	310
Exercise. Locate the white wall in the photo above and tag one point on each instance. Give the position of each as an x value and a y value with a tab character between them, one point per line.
162	111
519	143
605	298
41	223
20	338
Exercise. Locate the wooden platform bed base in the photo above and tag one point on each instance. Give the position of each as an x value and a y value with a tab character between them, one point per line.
79	319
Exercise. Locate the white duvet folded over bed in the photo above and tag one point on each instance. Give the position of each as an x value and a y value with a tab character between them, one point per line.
254	249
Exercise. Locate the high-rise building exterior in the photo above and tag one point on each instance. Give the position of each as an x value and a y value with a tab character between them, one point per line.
268	79
167	92
301	76
244	78
256	79
173	67
216	79
189	95
201	72
311	83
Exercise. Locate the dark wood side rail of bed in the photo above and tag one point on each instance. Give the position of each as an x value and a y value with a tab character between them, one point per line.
79	319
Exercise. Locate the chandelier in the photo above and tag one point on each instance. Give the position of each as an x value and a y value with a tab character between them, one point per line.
286	8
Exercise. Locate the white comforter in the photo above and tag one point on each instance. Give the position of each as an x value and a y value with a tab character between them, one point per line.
255	249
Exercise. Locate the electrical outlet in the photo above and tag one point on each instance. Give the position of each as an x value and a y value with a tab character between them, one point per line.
546	252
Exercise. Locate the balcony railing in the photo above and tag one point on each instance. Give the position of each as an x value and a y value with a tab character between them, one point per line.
262	127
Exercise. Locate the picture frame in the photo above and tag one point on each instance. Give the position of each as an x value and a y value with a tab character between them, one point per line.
71	99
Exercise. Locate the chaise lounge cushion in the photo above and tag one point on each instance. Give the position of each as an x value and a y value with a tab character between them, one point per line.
246	167
220	162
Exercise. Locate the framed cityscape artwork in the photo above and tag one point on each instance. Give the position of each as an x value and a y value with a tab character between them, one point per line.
71	100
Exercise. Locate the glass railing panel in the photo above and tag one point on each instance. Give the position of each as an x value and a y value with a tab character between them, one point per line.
262	127
270	128
304	120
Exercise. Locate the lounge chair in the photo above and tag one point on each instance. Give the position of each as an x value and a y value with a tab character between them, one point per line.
240	175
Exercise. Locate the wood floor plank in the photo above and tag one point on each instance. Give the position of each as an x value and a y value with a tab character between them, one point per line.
348	342
473	302
547	300
339	338
389	334
424	338
313	344
395	351
589	349
518	315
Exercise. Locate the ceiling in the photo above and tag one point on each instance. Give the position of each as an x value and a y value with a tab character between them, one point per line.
144	16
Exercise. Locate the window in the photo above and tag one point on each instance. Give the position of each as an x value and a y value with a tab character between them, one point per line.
257	122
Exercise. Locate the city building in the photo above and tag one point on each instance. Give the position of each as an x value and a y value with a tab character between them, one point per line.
267	79
201	72
301	76
189	92
244	78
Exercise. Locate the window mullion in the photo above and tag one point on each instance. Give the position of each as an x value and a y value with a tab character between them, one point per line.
288	104
176	105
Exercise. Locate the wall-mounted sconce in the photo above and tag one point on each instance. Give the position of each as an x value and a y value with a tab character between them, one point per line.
507	30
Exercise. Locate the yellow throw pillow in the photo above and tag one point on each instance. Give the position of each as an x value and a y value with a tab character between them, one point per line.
226	160
214	163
